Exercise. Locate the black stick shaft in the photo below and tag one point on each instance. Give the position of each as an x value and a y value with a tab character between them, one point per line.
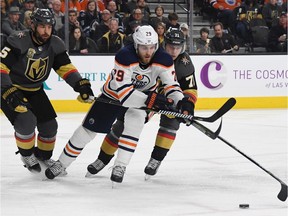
252	160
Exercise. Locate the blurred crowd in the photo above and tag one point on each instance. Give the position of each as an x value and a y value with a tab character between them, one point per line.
105	26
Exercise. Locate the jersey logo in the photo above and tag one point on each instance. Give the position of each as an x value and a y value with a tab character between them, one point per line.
36	69
139	80
185	60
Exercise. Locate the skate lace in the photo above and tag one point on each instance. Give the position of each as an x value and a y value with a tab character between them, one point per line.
118	170
30	160
98	164
153	163
50	162
56	168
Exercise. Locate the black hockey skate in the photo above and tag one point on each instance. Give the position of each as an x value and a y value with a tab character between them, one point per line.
94	167
152	167
55	170
118	172
31	163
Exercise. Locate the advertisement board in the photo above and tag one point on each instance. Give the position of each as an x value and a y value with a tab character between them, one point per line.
255	81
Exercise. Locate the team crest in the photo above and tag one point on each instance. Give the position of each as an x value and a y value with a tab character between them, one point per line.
20	34
30	53
36	69
185	60
139	80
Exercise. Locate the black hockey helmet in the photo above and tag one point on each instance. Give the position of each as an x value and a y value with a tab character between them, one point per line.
176	37
42	16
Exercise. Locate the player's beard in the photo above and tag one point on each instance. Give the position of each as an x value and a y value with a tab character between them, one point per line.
41	39
146	59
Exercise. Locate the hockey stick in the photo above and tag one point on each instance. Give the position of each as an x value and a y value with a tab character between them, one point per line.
218	114
213	135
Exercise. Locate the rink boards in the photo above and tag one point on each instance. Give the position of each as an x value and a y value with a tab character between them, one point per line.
255	81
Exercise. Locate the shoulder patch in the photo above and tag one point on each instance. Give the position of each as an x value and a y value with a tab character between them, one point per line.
127	56
163	58
20	40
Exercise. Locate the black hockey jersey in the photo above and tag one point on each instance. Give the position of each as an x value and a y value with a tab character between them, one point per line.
27	65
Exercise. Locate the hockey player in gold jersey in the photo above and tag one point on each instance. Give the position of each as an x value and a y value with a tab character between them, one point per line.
26	61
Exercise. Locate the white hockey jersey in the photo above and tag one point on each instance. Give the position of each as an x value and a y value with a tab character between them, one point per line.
129	81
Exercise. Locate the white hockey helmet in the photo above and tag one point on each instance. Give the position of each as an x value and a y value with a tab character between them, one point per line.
145	35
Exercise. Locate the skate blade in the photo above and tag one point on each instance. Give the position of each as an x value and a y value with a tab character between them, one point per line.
89	175
147	177
115	184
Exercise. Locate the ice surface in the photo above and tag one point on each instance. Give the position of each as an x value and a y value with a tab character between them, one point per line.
199	176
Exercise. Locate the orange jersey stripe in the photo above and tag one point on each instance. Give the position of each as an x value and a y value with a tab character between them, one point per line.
122	94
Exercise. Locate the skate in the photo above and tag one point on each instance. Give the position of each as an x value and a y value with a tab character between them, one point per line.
31	163
94	168
152	168
49	163
55	170
118	172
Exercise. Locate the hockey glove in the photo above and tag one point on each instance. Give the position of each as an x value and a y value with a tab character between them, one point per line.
157	101
15	99
83	86
186	106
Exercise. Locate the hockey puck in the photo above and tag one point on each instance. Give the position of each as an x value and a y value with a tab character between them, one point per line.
243	206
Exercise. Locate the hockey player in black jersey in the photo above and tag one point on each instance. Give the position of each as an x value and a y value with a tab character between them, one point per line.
26	61
174	44
132	82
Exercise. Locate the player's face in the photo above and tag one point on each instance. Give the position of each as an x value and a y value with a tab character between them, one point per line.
173	50
146	53
43	32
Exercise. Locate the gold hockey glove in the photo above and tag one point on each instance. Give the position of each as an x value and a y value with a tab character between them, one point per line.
83	86
15	99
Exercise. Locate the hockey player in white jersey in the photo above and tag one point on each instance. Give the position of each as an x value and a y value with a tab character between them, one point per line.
174	44
132	82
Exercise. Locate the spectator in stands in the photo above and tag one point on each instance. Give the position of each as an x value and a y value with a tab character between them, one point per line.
222	42
122	7
77	41
28	5
43	4
100	5
224	10
12	24
142	4
185	30
58	15
99	29
4	9
131	6
202	44
129	38
27	19
137	15
73	22
112	7
72	5
113	40
159	12
161	29
248	11
271	12
88	16
173	21
277	38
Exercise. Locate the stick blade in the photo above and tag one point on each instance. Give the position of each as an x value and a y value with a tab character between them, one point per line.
283	193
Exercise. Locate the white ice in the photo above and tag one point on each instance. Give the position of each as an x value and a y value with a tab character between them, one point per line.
199	176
